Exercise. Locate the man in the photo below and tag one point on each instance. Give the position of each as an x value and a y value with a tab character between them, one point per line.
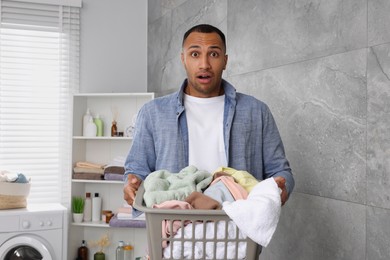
206	123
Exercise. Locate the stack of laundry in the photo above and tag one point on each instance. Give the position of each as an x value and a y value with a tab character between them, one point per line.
127	216
88	171
115	170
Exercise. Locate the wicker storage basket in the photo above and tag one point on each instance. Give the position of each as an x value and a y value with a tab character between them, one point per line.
13	195
155	217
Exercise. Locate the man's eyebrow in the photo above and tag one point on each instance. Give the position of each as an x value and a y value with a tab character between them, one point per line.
211	47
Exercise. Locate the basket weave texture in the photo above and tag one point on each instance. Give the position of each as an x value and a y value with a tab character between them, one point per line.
13	195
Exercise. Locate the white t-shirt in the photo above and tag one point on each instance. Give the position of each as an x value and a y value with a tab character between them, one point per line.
205	132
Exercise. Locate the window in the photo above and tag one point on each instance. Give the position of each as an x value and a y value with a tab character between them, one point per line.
39	72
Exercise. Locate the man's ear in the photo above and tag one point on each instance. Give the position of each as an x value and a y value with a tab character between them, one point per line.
226	60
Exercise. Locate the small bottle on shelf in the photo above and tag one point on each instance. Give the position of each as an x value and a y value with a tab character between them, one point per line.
88	207
86	118
120	253
99	125
128	252
83	251
96	208
114	129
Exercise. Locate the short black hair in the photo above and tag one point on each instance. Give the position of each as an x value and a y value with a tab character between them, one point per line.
205	28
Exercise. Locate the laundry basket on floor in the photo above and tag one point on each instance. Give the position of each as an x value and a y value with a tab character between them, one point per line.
200	234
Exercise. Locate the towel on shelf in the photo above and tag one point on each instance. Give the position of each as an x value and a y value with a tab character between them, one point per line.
258	215
114	169
78	169
90	165
113	177
87	176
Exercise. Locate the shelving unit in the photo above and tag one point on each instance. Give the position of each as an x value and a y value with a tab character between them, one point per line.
103	150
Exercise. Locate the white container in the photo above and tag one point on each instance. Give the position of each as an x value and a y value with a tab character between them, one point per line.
90	129
88	207
120	254
96	208
86	118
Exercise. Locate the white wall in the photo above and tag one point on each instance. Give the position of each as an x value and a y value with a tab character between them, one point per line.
113	46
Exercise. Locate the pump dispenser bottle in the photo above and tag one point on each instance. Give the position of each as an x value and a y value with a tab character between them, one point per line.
96	208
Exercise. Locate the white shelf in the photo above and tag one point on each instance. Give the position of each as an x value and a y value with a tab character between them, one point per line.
99	224
97	181
102	138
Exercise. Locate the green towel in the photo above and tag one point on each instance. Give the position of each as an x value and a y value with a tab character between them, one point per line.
163	185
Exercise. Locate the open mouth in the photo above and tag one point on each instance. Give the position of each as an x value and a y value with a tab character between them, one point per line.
204	78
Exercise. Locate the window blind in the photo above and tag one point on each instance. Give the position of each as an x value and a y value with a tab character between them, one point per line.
39	72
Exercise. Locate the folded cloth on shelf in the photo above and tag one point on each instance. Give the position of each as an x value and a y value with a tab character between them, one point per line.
132	223
113	177
90	165
207	251
89	170
114	169
87	176
163	185
258	215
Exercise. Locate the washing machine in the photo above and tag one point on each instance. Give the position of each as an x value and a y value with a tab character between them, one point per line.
38	232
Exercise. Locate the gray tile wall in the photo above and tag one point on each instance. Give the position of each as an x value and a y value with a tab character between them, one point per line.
323	67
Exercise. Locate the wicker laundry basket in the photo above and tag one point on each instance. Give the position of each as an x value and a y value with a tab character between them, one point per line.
13	195
216	246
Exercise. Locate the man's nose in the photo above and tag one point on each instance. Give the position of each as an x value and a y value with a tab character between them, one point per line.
205	62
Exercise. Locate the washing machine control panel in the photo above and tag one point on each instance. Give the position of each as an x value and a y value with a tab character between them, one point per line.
41	221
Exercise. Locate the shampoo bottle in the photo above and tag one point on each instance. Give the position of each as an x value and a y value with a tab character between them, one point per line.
96	207
86	118
88	207
99	125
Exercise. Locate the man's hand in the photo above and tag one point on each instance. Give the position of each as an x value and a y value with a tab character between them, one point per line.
131	187
282	185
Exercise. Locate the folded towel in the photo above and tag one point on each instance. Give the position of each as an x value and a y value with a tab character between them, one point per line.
114	169
113	177
87	176
258	215
89	165
89	170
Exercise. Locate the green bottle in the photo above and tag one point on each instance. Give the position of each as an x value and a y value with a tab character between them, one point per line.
99	125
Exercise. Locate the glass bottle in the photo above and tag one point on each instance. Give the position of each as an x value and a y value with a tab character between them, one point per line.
120	253
114	129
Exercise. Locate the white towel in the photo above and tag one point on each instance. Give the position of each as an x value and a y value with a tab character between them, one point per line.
258	215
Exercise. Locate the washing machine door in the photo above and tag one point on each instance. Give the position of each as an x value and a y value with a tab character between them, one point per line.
25	247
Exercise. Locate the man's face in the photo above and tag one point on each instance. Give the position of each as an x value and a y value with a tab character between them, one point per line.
204	60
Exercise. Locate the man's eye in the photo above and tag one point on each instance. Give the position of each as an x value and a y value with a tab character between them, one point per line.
194	54
214	54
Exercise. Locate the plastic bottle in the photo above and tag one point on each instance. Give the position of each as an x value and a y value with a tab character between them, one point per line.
99	125
90	128
128	252
83	251
86	118
120	254
96	207
88	207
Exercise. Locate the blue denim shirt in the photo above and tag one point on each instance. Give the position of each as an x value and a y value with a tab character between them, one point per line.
252	140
